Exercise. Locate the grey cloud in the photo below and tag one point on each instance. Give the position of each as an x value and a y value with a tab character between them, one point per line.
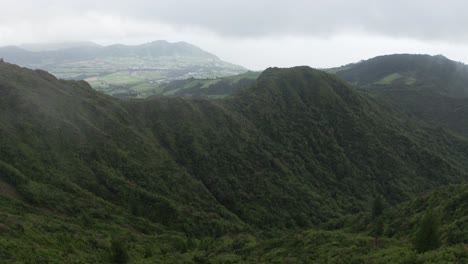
254	33
432	20
437	20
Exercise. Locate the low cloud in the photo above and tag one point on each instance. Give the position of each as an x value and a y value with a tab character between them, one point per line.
244	31
428	20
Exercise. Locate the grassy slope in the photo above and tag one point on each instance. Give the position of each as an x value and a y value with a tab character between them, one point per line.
78	167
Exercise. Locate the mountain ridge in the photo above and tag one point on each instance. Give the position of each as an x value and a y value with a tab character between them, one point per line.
296	149
415	71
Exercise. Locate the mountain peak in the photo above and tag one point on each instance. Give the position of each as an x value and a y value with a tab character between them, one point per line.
305	74
297	71
303	86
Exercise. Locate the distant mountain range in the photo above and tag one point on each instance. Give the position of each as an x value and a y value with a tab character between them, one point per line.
118	69
38	47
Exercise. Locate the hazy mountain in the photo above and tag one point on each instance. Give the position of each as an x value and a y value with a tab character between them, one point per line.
194	179
56	46
120	68
432	88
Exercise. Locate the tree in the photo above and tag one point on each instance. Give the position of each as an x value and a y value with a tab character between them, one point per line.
119	251
427	237
378	230
378	223
377	207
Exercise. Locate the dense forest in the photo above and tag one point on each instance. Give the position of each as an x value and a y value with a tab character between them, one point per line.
297	167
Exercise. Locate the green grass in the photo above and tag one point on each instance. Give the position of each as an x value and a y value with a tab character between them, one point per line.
410	81
389	79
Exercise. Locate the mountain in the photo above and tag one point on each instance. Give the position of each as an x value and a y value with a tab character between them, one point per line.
432	88
435	74
118	69
316	140
36	47
196	180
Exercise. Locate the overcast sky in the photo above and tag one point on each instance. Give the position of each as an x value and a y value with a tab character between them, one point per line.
253	33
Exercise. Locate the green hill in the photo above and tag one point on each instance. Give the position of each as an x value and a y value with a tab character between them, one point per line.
426	73
432	88
193	180
118	69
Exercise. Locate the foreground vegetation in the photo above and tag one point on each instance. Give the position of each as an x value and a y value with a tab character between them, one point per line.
41	237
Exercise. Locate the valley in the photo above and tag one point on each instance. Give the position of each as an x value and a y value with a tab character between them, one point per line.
285	169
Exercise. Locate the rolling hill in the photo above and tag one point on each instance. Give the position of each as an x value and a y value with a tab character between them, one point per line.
432	88
435	74
118	69
197	180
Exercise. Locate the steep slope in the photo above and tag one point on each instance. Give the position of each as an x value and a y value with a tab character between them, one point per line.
70	149
298	148
304	141
432	88
122	69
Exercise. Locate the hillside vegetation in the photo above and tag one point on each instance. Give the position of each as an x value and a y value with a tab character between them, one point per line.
431	88
407	71
85	177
